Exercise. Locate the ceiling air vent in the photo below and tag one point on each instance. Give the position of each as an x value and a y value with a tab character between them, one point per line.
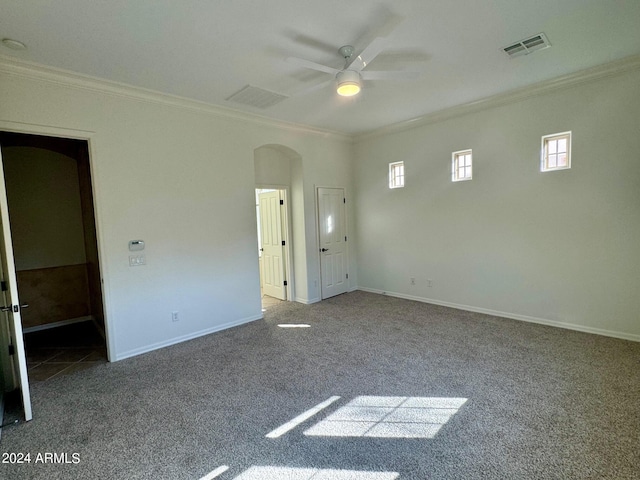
528	45
256	97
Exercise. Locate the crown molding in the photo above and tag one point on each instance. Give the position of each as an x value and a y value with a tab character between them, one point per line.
31	70
57	76
583	76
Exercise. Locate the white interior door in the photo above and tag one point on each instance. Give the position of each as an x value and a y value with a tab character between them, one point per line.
8	379
333	241
273	264
10	308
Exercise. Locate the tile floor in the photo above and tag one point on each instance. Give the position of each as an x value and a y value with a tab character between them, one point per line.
63	350
268	301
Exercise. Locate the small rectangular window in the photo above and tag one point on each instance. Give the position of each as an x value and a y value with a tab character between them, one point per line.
556	152
461	165
396	175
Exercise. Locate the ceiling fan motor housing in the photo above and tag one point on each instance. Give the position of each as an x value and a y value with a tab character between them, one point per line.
349	83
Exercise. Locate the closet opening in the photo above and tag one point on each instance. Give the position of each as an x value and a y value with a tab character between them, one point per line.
55	249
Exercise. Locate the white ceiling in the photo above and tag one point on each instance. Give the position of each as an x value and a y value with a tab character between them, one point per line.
208	49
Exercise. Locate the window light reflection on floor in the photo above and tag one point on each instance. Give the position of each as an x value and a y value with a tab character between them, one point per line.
290	473
217	472
293	423
389	417
294	325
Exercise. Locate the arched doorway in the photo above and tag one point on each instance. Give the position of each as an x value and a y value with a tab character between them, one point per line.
279	212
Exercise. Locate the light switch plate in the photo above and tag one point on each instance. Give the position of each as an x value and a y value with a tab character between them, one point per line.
136	245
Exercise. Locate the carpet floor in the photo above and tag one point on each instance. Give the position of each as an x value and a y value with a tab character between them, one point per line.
403	390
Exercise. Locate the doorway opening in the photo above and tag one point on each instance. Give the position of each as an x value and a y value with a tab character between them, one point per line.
53	233
274	256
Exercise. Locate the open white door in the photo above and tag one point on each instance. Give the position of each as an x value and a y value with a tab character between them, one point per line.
333	241
10	308
273	264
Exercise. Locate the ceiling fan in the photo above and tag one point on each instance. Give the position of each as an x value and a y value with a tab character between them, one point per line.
350	78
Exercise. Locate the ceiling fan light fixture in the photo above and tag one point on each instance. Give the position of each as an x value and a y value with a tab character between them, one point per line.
348	89
349	83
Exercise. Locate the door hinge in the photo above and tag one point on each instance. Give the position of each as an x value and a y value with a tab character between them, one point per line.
344	200
3	286
12	350
283	243
281	202
345	238
347	275
285	283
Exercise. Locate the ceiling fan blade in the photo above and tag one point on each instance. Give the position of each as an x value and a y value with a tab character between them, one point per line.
381	23
311	42
391	75
410	59
313	88
312	65
368	54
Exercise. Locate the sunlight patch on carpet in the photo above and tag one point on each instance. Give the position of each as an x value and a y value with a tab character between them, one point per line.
218	471
290	473
389	417
291	424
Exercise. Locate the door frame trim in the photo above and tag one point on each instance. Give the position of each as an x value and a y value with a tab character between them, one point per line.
89	137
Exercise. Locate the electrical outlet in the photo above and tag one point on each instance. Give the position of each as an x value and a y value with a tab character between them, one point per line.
137	260
174	316
412	280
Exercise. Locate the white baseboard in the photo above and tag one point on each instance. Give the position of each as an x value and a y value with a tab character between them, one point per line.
307	302
61	323
512	316
149	348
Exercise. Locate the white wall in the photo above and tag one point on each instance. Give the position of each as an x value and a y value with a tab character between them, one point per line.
179	175
558	247
44	202
273	165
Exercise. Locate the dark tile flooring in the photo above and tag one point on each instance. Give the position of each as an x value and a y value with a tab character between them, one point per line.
63	350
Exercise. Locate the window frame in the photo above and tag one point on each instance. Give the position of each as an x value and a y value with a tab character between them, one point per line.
455	168
393	177
544	155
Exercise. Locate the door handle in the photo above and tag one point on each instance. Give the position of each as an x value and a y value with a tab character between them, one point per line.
324	249
13	308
